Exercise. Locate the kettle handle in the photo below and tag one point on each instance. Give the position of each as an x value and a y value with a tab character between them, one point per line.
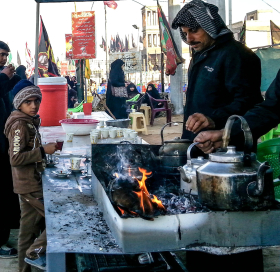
161	132
247	133
189	150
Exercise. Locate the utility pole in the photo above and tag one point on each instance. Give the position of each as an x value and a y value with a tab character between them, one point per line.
176	81
230	14
106	40
221	5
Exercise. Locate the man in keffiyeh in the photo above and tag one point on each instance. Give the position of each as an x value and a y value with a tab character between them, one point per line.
224	76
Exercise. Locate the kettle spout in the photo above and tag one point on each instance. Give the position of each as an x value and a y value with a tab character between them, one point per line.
255	188
184	177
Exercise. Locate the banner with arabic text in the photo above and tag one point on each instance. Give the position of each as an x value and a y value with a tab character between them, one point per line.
83	35
132	61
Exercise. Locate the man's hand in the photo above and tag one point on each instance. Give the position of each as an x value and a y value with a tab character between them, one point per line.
210	140
199	121
9	71
50	148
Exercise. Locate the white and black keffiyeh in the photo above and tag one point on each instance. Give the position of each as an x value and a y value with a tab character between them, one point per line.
200	14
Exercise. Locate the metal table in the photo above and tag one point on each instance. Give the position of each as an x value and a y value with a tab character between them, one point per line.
75	223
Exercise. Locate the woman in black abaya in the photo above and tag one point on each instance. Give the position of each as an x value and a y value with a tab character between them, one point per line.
153	92
131	91
117	105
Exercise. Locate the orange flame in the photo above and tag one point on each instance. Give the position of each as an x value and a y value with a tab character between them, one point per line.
122	211
158	202
117	175
144	195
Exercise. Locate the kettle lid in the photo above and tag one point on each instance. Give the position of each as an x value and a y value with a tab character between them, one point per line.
230	156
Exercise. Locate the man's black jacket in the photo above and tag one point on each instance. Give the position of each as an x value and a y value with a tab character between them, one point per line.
262	118
223	80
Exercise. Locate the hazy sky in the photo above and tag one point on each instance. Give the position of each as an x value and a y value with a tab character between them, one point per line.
18	21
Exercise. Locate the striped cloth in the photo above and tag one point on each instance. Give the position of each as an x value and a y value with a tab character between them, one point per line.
200	14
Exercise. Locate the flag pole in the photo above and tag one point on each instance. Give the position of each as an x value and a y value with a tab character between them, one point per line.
36	43
161	55
106	42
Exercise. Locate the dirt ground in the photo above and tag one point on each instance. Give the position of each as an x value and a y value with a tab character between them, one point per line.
168	133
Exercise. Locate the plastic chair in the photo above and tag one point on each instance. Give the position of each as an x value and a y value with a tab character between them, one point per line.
79	108
274	133
156	110
136	104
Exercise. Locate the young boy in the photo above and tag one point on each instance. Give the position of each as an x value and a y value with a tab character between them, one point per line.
27	156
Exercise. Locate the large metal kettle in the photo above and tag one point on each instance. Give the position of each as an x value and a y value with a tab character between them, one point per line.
234	180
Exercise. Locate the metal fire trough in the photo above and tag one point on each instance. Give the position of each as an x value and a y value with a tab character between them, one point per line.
216	232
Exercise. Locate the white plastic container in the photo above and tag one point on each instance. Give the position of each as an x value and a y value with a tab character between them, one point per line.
78	126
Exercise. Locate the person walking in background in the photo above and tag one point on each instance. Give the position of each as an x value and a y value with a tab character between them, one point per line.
116	102
131	90
224	75
27	157
9	206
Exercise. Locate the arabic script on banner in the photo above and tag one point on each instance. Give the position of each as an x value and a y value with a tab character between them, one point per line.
83	35
132	61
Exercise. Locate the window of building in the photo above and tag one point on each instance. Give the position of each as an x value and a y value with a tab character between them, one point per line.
148	18
155	40
149	40
154	18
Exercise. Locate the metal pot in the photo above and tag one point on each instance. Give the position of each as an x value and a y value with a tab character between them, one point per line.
122	123
234	180
188	181
172	154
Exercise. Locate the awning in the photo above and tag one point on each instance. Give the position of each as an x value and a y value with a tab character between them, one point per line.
62	1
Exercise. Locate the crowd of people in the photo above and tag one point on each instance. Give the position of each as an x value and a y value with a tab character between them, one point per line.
224	79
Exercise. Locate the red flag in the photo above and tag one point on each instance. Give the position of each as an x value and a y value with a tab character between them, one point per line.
168	45
111	4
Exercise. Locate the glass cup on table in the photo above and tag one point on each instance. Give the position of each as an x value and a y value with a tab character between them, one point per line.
59	144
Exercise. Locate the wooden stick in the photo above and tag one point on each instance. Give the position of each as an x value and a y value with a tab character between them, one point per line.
105	106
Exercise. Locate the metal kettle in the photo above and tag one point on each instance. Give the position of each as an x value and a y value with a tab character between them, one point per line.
234	180
173	153
188	181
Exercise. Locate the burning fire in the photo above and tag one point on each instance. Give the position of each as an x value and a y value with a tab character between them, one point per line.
121	210
134	198
144	195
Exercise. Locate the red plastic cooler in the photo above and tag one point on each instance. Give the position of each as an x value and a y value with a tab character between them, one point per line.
54	102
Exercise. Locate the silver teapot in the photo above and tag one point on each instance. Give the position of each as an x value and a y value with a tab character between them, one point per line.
234	180
188	181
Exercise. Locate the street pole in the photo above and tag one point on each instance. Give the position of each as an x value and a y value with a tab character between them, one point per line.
222	7
107	75
37	43
230	13
176	81
85	80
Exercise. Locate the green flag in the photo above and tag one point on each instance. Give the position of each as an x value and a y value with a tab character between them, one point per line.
243	33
